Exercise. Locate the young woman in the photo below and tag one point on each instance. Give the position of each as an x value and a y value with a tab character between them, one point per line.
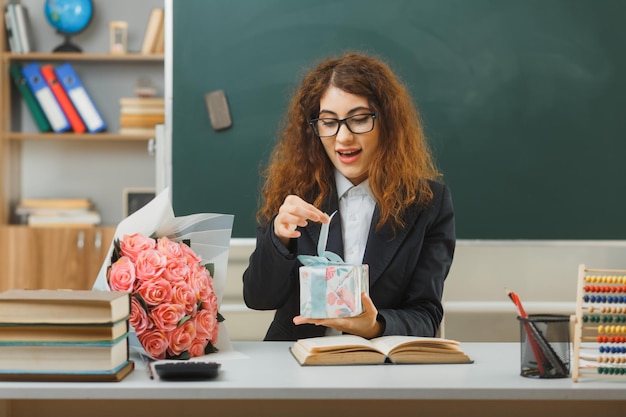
352	141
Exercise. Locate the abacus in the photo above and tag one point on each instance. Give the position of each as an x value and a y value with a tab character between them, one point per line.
600	324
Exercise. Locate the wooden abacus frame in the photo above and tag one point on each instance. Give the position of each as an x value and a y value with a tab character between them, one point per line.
600	324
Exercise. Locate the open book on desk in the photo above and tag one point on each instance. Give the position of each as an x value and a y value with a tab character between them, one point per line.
355	350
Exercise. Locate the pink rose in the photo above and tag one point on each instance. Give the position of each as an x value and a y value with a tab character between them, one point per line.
176	270
190	255
197	347
206	324
155	292
139	319
150	264
201	281
133	245
169	248
210	304
122	275
166	316
180	339
154	342
183	294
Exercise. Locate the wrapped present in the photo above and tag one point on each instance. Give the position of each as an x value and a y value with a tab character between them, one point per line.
329	287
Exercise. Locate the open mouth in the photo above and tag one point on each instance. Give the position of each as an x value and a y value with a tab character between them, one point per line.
348	154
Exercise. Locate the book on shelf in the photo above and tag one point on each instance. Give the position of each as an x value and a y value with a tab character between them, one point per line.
65	218
155	103
144	131
56	203
159	42
23	28
12	30
138	110
140	115
81	100
45	97
64	101
34	108
63	306
24	211
155	21
141	120
63	333
354	350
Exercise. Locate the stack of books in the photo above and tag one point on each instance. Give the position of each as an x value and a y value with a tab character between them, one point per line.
57	98
64	335
140	115
64	212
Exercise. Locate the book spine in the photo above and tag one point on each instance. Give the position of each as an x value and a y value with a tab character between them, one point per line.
11	21
141	120
150	38
64	101
11	31
29	98
142	102
22	28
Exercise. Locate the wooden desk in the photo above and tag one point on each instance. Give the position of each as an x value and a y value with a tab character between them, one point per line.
269	382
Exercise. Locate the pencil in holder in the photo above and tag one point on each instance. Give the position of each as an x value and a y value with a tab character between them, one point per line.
545	346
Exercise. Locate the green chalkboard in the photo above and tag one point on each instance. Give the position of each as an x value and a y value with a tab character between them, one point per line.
524	102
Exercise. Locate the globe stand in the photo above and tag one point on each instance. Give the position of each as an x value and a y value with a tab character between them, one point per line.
67	46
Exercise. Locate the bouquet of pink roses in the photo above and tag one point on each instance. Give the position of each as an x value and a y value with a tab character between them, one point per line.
175	270
173	305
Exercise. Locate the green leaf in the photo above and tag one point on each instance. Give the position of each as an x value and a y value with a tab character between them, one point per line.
184	319
117	251
141	301
211	268
183	356
220	318
210	349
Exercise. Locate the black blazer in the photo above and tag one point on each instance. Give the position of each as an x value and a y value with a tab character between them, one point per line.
406	271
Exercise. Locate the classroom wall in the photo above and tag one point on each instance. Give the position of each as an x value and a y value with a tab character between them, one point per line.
543	273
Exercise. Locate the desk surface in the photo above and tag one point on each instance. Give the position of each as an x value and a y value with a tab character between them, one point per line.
266	370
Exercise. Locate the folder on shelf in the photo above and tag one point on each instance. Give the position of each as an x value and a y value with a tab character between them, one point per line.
10	19
64	101
45	97
80	98
29	98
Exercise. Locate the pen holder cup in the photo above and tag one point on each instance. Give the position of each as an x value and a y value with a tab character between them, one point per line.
545	346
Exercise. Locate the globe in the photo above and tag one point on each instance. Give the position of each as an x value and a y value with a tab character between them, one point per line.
68	17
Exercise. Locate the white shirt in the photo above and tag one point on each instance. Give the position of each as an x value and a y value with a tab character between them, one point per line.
356	207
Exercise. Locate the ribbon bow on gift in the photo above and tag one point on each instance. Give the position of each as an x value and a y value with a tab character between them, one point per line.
323	257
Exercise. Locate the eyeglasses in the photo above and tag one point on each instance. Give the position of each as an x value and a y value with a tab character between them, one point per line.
359	123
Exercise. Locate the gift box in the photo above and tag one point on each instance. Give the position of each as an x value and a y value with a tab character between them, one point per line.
330	291
330	288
